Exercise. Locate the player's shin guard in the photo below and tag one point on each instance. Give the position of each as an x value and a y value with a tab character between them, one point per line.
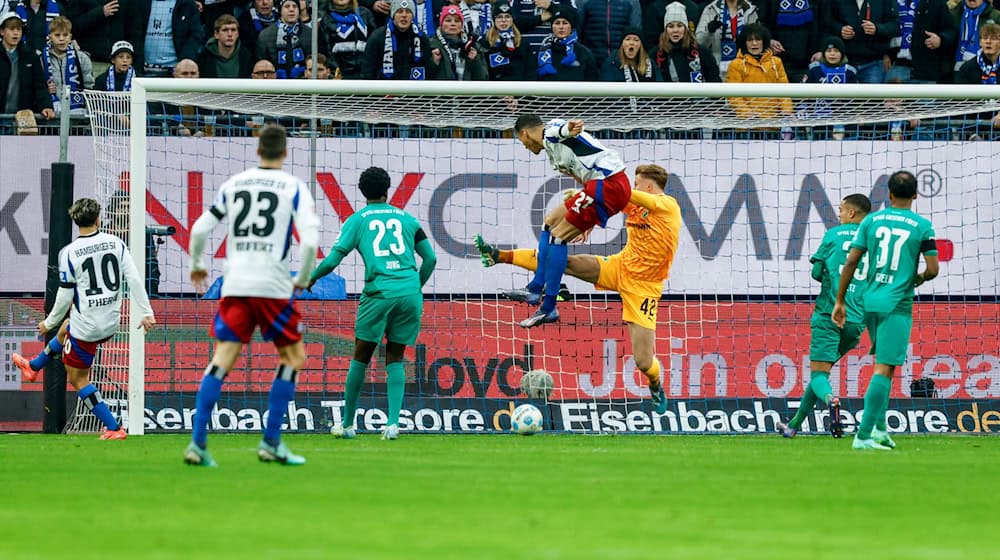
395	382
876	402
282	392
820	385
51	351
555	266
208	395
352	389
538	281
92	399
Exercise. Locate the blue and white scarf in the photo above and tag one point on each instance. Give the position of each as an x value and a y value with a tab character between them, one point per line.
907	14
505	46
71	77
291	57
479	19
423	19
968	32
417	71
989	75
545	66
51	12
260	22
347	24
794	13
731	28
127	86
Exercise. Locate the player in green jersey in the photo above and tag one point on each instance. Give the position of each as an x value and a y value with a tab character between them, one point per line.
391	303
895	236
829	342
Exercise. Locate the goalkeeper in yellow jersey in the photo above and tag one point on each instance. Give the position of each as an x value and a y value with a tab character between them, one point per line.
653	222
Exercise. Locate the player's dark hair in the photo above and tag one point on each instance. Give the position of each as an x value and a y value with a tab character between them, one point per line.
859	202
84	212
654	173
374	183
527	120
273	139
902	184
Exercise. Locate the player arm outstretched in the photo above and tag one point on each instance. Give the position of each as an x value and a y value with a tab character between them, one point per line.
307	224
346	242
428	259
64	297
137	291
199	235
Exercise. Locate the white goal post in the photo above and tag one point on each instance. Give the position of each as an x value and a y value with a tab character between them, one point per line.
494	105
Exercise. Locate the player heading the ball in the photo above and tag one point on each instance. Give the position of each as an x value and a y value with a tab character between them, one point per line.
606	191
261	205
90	288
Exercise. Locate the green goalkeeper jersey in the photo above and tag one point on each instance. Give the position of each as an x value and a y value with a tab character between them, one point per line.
829	260
388	239
894	239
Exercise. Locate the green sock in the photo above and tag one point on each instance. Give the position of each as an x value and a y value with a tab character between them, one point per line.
805	408
876	399
820	385
395	382
352	389
880	420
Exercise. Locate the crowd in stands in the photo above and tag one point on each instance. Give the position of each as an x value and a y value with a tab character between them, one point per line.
104	44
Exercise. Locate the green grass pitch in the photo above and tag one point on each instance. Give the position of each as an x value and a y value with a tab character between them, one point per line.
509	497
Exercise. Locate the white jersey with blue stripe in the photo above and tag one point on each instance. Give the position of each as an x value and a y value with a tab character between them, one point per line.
581	156
260	206
97	268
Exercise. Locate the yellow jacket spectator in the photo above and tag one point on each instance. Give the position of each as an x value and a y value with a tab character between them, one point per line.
756	64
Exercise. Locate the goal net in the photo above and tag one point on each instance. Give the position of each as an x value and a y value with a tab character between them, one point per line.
758	172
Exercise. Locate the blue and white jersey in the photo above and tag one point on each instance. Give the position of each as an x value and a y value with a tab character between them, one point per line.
261	206
97	268
581	156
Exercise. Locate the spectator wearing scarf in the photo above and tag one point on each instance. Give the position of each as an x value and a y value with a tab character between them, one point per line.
865	50
631	63
984	67
926	41
287	43
506	54
396	51
454	54
678	56
120	74
970	16
345	30
477	15
720	25
64	64
261	15
37	15
560	56
796	33
832	68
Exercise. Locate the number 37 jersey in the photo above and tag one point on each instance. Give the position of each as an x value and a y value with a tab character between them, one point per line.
261	206
96	267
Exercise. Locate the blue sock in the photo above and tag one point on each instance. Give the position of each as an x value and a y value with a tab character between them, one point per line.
538	281
92	399
282	392
208	395
554	268
51	350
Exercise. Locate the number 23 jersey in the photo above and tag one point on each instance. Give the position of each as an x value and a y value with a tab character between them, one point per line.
386	237
261	205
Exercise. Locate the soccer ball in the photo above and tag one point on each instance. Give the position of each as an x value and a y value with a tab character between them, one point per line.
537	384
526	420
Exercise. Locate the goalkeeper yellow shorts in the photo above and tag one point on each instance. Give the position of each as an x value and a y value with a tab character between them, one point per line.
640	298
